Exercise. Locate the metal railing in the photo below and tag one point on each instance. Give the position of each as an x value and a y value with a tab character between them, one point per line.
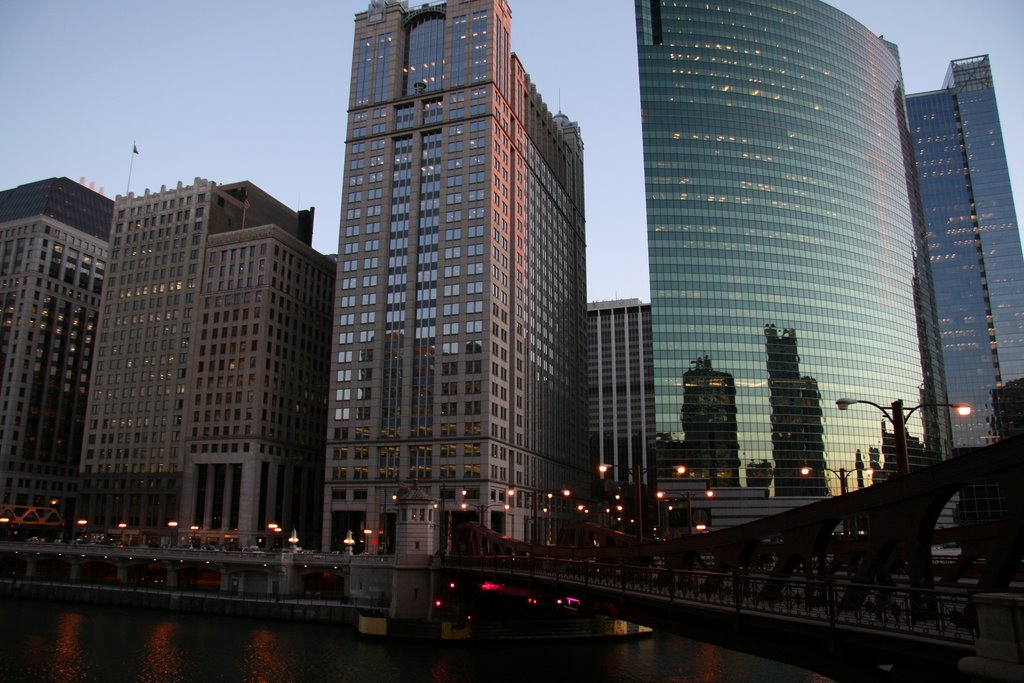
941	614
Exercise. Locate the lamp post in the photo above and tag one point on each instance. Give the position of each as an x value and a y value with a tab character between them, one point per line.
637	473
482	508
445	522
511	493
533	510
367	536
689	508
660	495
172	529
897	416
842	473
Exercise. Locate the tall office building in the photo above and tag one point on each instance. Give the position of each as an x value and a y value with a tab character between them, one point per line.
460	312
788	263
975	249
620	368
208	404
53	254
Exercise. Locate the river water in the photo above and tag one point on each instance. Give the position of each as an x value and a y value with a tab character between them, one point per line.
65	643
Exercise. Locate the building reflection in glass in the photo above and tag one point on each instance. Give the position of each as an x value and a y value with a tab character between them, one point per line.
710	446
795	418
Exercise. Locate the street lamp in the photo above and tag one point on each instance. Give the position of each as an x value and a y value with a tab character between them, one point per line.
659	496
689	510
367	535
349	542
897	416
842	473
511	493
637	474
547	510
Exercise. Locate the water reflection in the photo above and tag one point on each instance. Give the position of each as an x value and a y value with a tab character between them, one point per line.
66	659
71	643
161	660
266	659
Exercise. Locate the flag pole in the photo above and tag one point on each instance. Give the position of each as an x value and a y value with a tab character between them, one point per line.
135	150
245	205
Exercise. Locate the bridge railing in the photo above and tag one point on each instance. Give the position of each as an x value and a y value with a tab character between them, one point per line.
937	614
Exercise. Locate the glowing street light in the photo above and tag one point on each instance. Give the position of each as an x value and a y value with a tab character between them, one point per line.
637	473
349	542
897	416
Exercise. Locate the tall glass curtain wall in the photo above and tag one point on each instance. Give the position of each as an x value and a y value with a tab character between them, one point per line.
975	250
782	248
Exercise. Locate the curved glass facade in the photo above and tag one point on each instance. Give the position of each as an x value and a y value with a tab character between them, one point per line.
784	244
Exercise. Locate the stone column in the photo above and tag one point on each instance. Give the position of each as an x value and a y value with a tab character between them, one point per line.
172	576
999	650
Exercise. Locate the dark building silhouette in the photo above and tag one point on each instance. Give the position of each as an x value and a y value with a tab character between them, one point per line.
797	429
708	418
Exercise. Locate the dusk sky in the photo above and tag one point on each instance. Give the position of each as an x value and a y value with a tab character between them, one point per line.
258	91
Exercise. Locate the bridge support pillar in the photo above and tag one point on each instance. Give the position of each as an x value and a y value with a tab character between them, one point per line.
172	577
999	651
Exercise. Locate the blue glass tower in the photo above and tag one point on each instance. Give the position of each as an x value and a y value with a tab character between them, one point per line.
975	249
787	256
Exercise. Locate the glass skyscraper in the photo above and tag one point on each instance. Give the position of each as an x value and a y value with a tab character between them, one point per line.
788	263
975	249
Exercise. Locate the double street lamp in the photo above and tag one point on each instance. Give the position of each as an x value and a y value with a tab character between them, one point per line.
547	510
897	416
842	473
708	493
637	474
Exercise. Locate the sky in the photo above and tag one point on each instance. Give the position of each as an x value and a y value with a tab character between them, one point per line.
258	91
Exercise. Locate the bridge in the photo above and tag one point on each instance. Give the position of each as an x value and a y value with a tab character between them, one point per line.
853	583
867	584
235	572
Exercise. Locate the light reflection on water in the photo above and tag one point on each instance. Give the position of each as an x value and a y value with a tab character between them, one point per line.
66	664
63	643
267	659
161	659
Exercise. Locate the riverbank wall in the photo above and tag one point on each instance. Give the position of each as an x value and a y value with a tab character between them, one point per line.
369	620
198	602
